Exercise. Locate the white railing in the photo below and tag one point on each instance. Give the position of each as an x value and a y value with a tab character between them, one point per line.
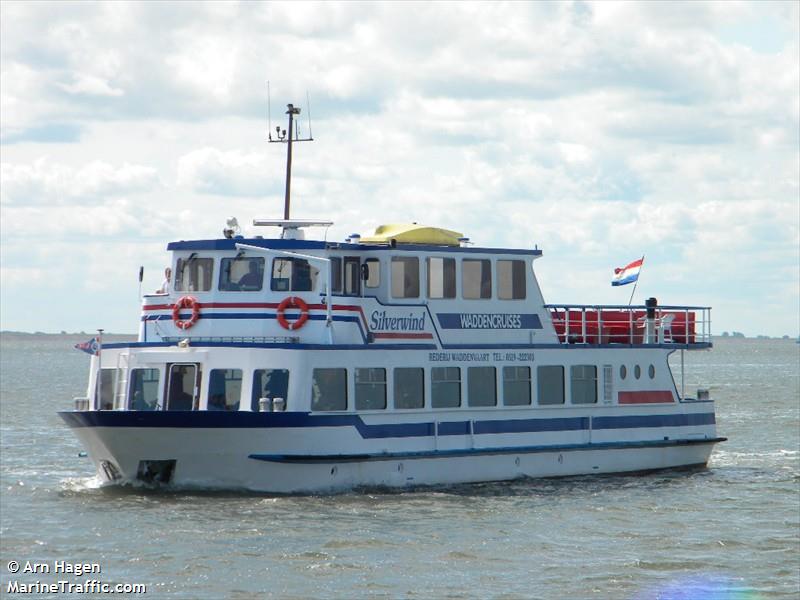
684	326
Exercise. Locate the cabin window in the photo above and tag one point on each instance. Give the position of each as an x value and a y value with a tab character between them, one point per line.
623	372
336	275
583	386
269	383
293	275
511	279
373	273
352	276
441	277
516	386
637	371
481	386
241	274
194	274
651	371
550	384
182	387
370	389
329	389
105	389
445	387
224	389
476	278
409	388
143	393
405	277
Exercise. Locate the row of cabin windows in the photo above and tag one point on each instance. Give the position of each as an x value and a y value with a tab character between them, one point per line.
330	387
246	274
224	388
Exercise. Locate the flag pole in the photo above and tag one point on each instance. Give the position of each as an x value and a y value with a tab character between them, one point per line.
98	388
635	283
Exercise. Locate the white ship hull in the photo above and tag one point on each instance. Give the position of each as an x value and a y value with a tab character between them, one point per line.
293	459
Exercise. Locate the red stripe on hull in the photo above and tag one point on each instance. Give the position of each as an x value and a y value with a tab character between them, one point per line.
649	397
403	336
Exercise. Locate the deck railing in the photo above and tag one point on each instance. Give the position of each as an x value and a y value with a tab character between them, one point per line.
687	326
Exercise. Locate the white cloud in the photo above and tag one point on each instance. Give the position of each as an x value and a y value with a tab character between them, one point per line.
214	171
46	183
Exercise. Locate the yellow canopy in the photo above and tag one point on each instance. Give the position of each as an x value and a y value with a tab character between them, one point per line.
405	233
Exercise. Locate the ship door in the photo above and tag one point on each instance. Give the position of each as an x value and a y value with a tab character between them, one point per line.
183	387
352	276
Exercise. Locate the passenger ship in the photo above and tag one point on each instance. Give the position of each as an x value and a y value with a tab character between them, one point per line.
406	358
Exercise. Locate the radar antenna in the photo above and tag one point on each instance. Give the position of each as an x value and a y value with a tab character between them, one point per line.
289	136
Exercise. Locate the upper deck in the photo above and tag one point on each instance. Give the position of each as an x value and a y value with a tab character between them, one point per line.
385	293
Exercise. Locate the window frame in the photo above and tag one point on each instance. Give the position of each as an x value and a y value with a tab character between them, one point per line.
541	381
180	283
477	383
486	270
395	390
436	382
414	280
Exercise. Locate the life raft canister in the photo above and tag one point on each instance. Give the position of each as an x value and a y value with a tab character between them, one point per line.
186	302
292	302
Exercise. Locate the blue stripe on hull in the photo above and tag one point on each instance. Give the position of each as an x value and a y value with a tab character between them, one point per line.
331	458
254	420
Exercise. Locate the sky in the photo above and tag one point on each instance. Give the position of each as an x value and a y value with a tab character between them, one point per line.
598	131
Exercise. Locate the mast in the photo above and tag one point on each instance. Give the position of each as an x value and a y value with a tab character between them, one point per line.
288	136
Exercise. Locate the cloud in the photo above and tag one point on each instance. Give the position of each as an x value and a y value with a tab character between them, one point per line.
46	183
231	173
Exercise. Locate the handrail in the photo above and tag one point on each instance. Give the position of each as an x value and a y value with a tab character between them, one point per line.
684	326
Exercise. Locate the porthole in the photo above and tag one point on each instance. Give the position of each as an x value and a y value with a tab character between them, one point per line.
623	372
651	370
637	371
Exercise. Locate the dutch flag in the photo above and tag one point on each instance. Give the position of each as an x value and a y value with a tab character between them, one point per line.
90	347
627	274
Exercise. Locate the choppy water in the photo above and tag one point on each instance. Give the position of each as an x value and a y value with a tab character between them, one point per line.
731	531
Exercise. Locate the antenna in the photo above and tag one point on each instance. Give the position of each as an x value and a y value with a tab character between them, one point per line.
288	136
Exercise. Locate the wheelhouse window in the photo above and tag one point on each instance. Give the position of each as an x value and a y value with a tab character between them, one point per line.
105	389
550	384
293	275
476	278
182	387
269	383
329	389
481	386
352	276
373	273
405	277
409	388
441	277
336	275
370	389
194	274
445	387
583	380
511	279
224	389
516	386
241	274
143	392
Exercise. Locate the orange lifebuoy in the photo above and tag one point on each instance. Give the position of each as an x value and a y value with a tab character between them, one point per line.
296	303
186	302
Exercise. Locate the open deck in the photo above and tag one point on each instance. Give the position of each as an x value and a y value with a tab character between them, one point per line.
682	327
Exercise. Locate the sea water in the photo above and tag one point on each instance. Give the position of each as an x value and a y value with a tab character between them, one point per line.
729	531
